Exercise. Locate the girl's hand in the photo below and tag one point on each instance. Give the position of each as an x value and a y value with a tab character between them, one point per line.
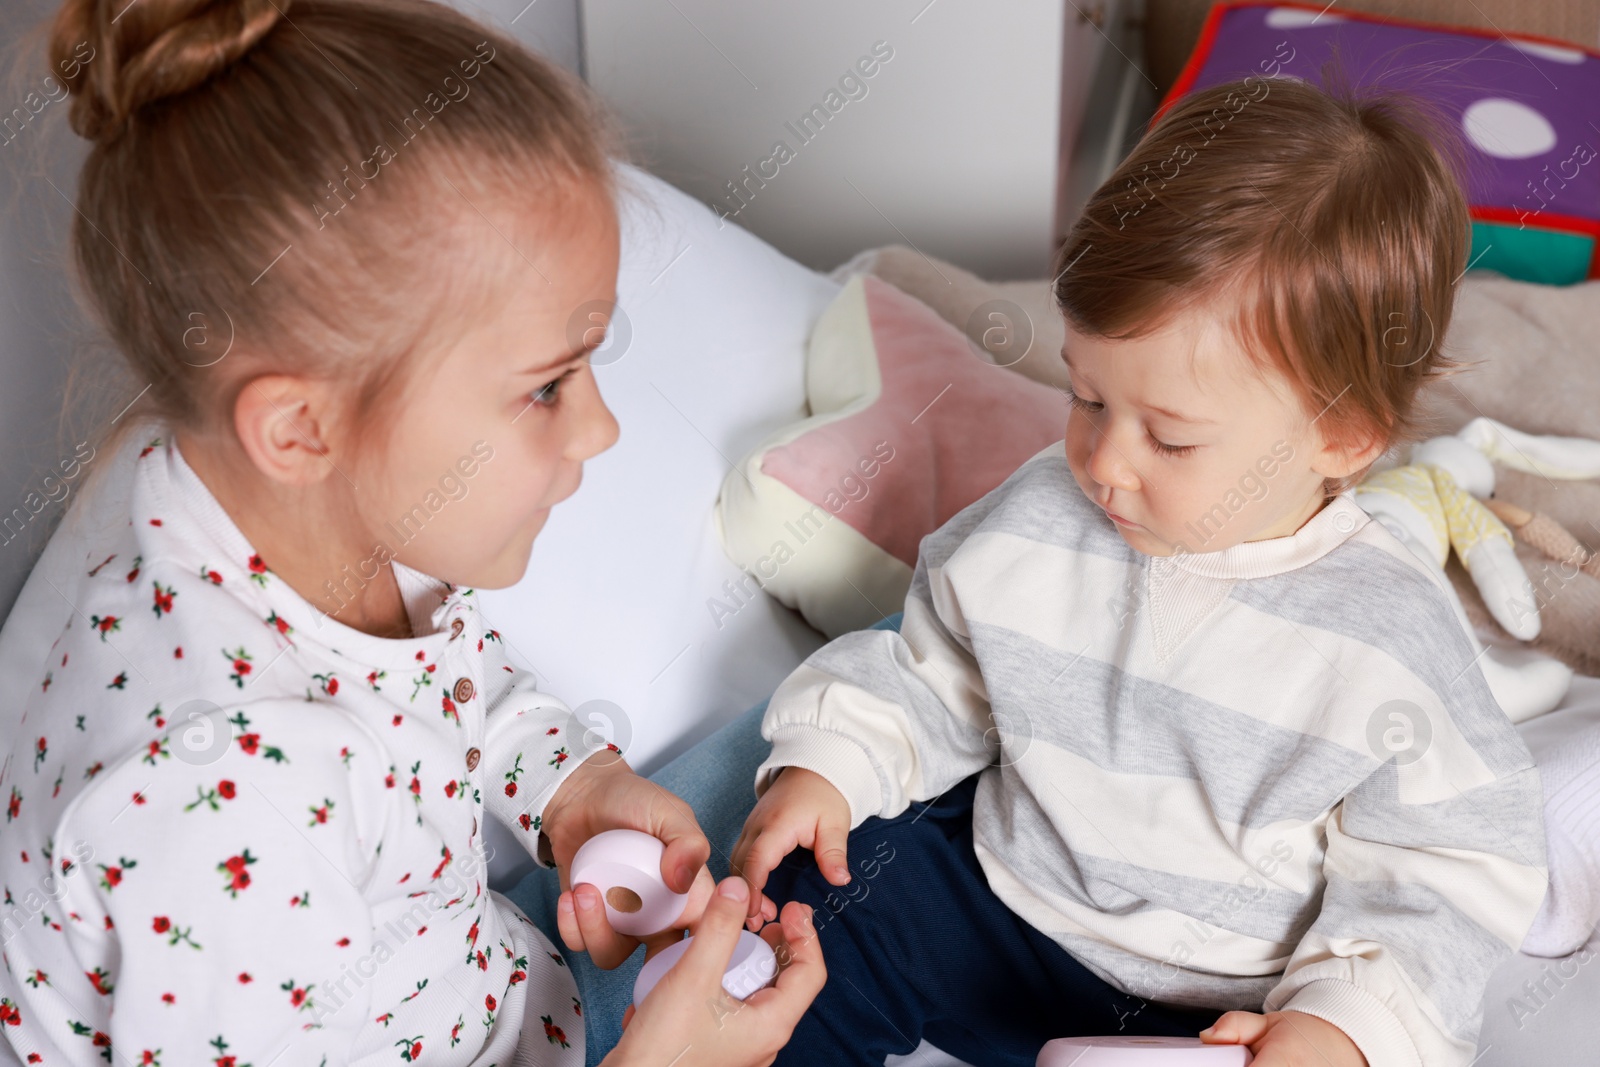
1285	1039
604	794
688	1018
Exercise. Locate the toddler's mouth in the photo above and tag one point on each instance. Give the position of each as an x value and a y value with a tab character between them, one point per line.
1118	519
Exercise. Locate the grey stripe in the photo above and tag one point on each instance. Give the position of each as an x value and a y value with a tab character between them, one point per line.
1010	820
948	746
1356	592
1252	772
1414	922
1503	818
1039	501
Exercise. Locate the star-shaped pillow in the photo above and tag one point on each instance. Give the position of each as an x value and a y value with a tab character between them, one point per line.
909	424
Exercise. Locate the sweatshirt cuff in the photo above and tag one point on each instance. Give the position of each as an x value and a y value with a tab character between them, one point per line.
1364	1019
840	759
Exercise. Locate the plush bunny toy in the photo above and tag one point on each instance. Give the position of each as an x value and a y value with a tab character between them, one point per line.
1431	504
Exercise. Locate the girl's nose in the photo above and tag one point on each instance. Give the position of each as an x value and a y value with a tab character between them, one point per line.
596	428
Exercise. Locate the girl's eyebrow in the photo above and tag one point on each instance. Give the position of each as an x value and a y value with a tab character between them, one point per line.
546	368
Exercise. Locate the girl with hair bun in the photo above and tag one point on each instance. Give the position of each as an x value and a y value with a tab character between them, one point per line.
340	245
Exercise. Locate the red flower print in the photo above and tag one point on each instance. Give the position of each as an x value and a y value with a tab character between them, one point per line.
168	998
250	743
560	756
241	664
511	789
554	1033
210	575
244	978
450	789
299	996
163	599
319	816
410	1048
552	731
225	789
97	978
238	875
524	822
105	625
10	1015
111	877
489	1001
450	710
162	924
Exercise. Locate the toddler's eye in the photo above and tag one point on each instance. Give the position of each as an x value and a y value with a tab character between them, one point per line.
1090	406
1171	450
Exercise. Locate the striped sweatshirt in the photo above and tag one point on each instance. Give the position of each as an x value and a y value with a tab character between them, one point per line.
1268	777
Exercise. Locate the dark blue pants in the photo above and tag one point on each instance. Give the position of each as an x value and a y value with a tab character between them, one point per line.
917	946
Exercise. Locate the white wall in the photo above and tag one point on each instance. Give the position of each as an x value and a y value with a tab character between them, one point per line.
954	148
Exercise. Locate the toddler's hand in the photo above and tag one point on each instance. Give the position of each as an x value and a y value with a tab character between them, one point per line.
800	808
733	1033
1285	1039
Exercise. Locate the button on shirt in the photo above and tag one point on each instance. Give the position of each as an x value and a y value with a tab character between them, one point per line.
238	830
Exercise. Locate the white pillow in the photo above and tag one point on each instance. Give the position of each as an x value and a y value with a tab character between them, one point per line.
617	603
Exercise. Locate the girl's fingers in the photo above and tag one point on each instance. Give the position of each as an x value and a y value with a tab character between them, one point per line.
802	971
708	954
567	922
687	848
605	946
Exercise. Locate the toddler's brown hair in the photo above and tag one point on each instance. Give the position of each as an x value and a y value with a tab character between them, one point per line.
1332	221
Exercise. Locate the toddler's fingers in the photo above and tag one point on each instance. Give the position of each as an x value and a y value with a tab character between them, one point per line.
765	853
830	851
1236	1028
605	946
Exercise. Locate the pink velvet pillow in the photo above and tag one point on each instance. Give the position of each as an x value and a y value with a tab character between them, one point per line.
908	425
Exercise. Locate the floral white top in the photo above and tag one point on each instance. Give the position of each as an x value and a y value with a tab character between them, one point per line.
239	832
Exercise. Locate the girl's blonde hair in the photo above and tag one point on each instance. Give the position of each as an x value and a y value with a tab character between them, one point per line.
283	177
1332	223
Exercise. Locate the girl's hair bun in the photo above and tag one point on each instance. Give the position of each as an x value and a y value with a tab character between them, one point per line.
117	56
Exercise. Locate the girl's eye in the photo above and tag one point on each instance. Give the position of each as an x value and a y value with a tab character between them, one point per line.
549	394
1171	450
1090	406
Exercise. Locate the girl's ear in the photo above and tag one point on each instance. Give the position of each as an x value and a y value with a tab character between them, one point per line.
283	422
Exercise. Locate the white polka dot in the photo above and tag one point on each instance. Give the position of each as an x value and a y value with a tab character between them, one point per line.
1548	51
1288	18
1506	129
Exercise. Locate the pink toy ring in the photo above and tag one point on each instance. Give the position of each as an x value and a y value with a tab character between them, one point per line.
625	865
1126	1050
753	966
